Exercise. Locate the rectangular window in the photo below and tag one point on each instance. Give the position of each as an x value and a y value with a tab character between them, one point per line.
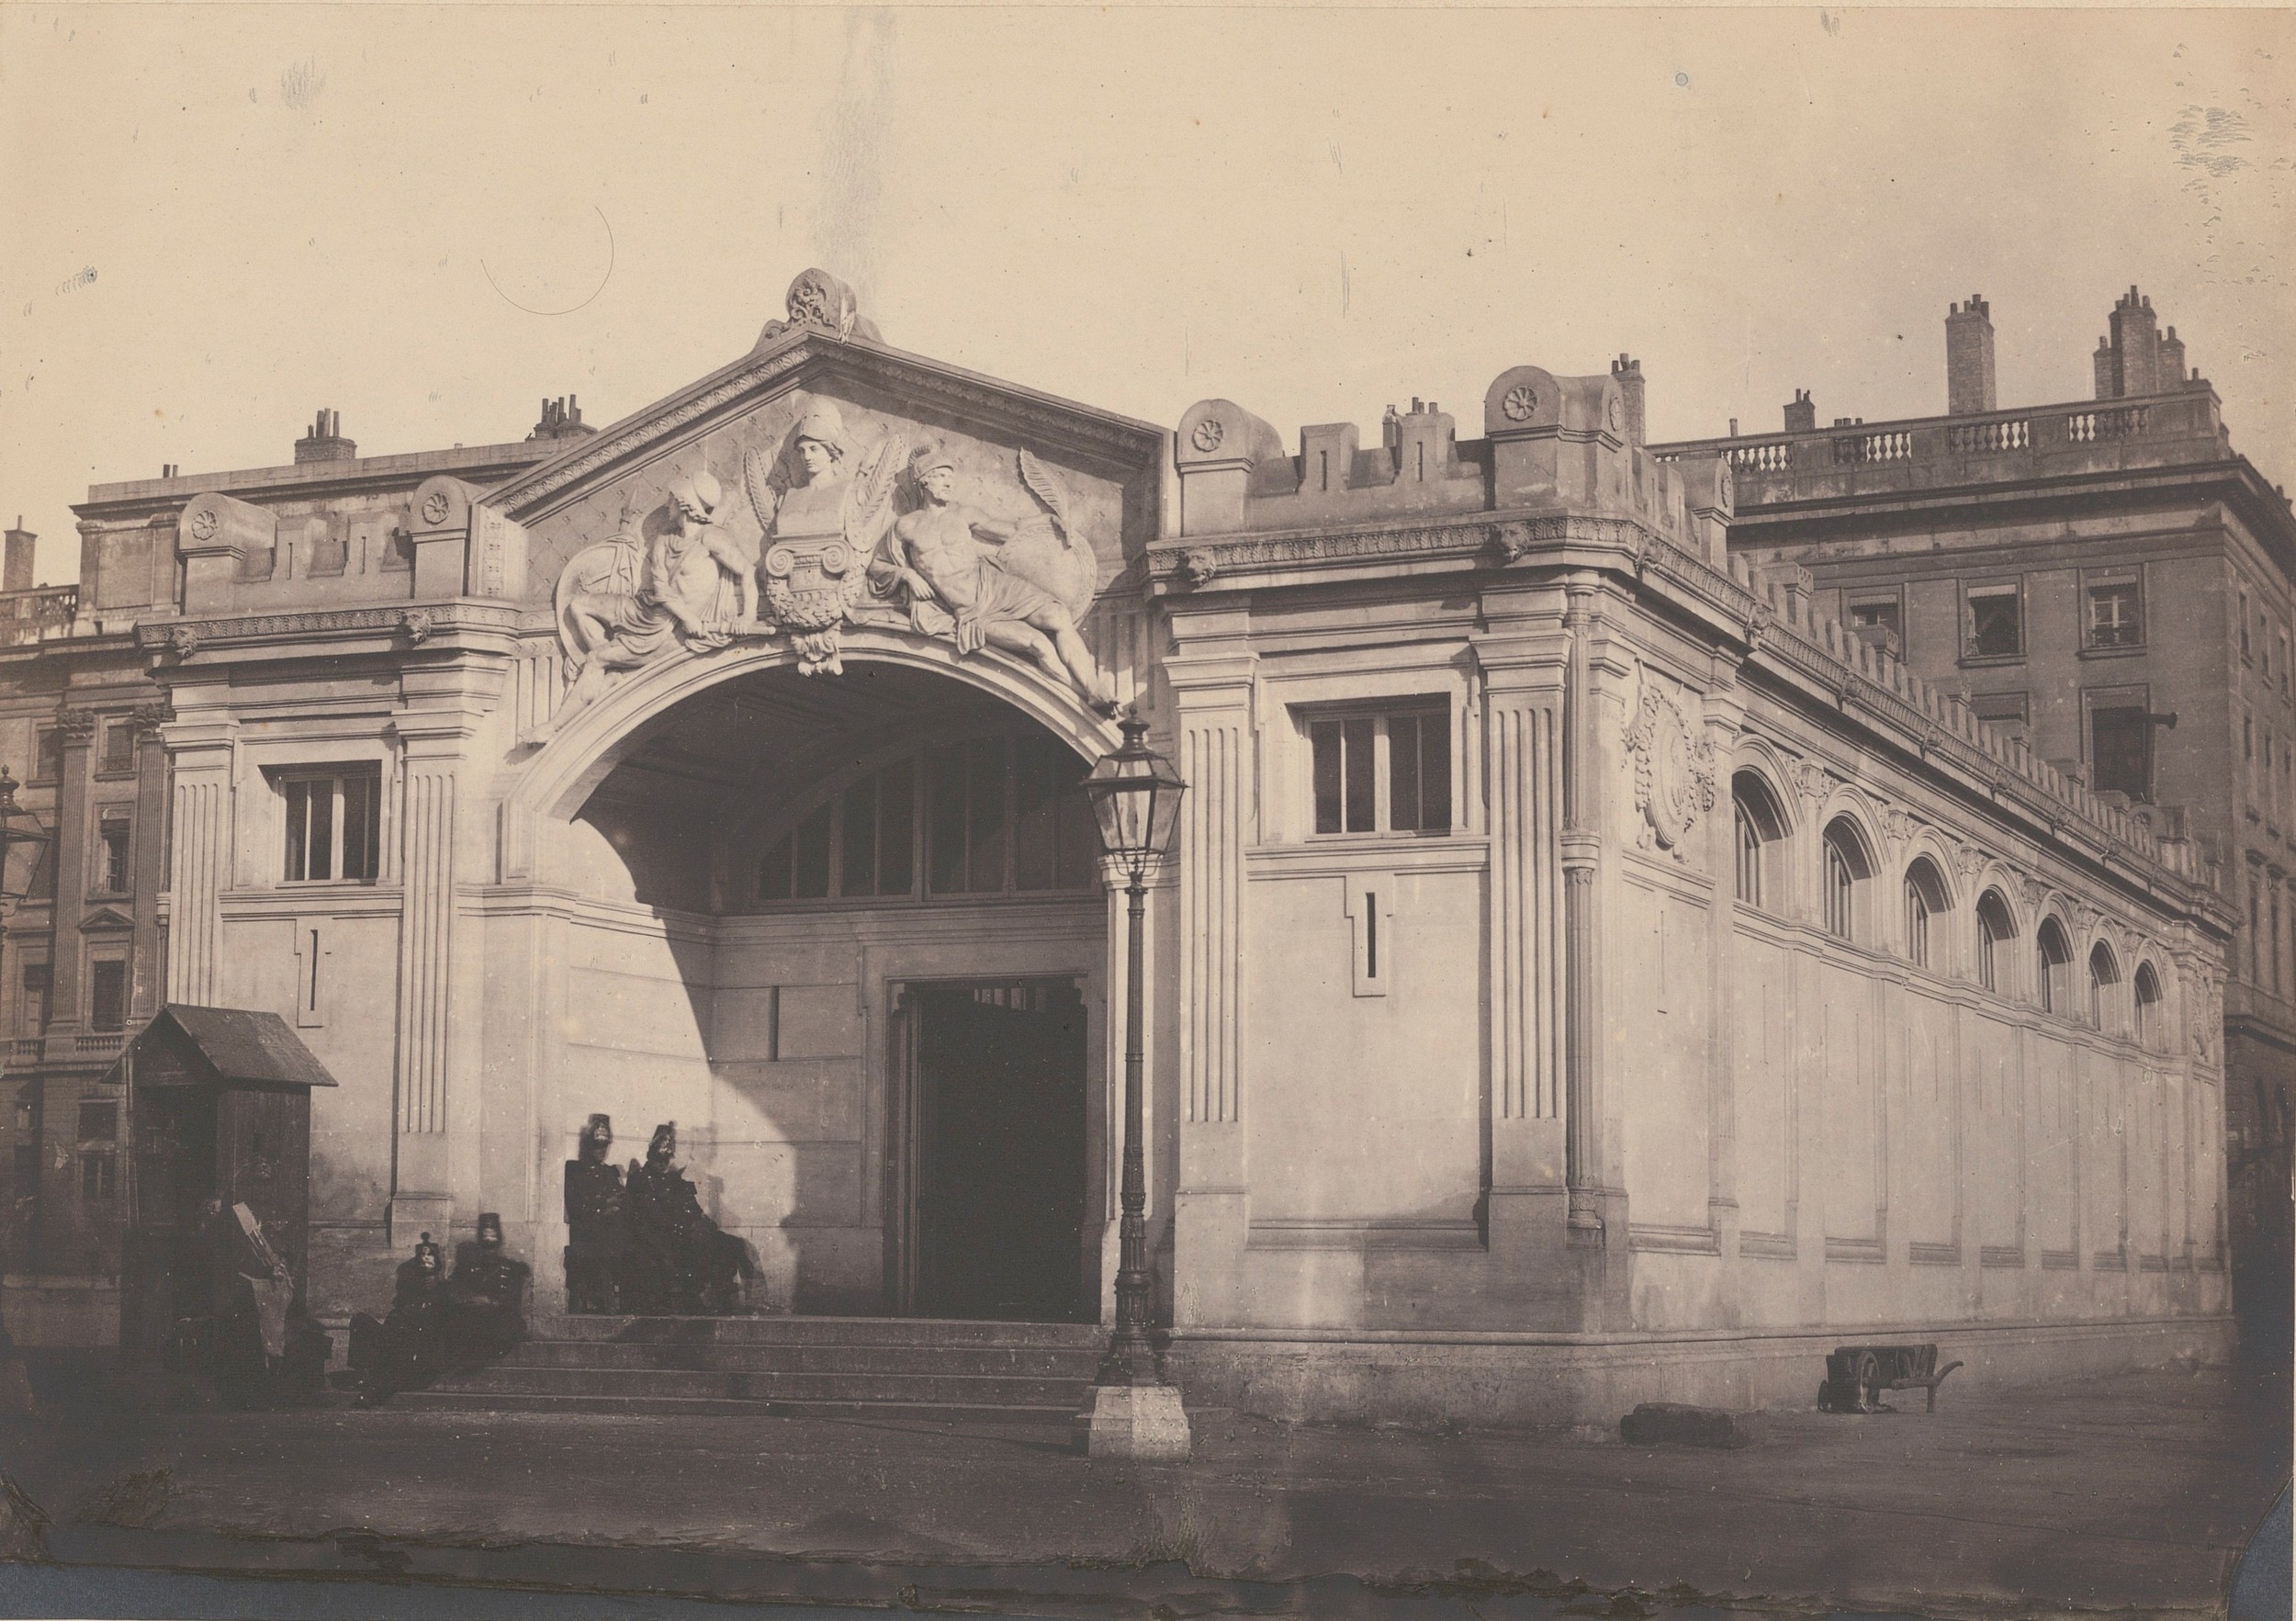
1996	622
99	1122
108	996
36	983
334	827
2115	619
2120	751
1382	772
1881	621
98	1175
2247	653
119	746
111	852
47	755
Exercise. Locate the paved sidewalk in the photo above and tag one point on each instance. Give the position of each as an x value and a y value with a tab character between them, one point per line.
2134	1492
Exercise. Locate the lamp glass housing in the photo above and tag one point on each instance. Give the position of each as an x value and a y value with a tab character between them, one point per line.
1135	794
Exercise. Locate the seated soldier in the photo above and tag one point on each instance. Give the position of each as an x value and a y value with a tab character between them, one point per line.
406	1349
683	1261
486	1298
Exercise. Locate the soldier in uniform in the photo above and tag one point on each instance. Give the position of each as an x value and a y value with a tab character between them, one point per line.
683	1261
404	1350
597	1223
486	1298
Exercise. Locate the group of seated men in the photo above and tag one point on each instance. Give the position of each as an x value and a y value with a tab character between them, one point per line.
440	1321
642	1244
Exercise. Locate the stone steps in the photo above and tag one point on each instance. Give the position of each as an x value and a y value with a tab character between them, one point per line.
768	1385
737	1356
819	1367
1040	1418
789	1330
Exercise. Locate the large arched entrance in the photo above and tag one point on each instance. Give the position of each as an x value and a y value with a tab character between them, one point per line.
848	934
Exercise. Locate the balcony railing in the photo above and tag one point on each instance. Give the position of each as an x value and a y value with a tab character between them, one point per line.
1856	458
37	614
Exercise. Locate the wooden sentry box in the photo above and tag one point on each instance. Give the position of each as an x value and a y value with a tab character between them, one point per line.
219	1107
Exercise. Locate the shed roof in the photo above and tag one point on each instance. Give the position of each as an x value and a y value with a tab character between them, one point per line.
239	1045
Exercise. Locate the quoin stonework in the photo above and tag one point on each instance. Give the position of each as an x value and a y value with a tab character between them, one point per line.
1594	967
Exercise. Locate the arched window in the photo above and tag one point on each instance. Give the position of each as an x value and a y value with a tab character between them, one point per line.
1758	826
2103	974
2147	1004
1995	931
2051	955
1925	898
1846	870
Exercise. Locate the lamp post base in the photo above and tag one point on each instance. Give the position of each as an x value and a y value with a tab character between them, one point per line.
1133	1421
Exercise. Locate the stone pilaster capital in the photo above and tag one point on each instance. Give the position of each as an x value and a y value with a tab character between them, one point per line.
77	724
1582	849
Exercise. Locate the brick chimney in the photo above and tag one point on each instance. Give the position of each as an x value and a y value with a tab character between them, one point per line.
1629	372
1969	357
325	442
2130	360
560	419
1801	416
15	567
2171	360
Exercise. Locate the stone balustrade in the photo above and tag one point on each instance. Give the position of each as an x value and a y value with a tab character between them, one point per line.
38	615
1858	458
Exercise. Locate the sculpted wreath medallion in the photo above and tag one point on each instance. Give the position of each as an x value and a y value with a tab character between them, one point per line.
1674	776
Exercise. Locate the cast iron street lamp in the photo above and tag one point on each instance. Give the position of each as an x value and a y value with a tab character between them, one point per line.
1135	795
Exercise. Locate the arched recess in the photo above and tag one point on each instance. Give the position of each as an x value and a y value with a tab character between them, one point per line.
1996	941
2053	959
554	781
2104	988
1761	836
2150	1007
1928	905
1847	866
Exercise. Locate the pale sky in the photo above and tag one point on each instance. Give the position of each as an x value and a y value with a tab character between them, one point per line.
218	220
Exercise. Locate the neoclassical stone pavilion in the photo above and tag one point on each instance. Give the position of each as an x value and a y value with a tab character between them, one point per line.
1585	975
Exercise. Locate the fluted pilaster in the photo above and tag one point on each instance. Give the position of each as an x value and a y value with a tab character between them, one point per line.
1215	759
1526	909
425	945
199	859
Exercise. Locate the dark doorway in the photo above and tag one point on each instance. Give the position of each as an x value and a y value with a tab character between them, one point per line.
998	1096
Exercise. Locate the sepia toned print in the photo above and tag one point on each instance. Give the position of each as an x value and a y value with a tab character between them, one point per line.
949	958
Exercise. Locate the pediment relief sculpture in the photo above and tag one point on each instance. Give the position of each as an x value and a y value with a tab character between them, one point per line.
658	584
880	534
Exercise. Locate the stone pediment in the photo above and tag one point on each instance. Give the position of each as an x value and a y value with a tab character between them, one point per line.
826	480
106	920
1106	466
